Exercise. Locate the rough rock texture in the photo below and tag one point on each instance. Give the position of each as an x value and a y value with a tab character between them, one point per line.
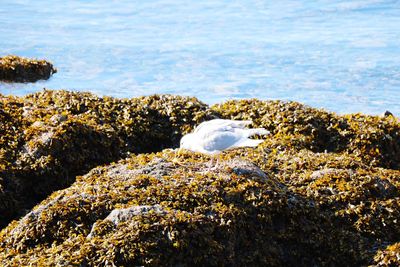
321	190
19	69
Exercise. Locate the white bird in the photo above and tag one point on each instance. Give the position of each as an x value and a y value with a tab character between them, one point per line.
214	136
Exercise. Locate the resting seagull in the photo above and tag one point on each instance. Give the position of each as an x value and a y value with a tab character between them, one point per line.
214	136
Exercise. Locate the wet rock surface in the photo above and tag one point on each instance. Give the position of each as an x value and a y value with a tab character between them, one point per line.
321	190
20	69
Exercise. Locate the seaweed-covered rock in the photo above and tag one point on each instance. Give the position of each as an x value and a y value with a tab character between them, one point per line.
297	125
322	189
153	209
19	69
48	138
373	139
390	256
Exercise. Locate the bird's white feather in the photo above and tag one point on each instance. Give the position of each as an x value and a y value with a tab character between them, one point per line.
212	137
221	124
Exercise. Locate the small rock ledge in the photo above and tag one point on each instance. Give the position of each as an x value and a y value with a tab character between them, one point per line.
19	69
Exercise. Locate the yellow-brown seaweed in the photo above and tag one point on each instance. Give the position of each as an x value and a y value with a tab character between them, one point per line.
321	190
50	137
20	69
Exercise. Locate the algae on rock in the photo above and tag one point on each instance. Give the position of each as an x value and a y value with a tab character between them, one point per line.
128	214
49	137
20	69
322	189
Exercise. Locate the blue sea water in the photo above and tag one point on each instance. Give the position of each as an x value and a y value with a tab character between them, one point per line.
343	56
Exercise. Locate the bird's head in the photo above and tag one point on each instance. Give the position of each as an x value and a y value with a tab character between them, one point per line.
185	141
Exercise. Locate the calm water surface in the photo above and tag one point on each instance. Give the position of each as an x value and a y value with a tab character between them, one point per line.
343	56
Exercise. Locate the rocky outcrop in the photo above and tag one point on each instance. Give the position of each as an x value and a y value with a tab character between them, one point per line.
130	214
49	138
321	190
375	140
19	69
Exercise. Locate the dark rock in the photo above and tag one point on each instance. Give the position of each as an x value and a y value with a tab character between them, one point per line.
19	69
